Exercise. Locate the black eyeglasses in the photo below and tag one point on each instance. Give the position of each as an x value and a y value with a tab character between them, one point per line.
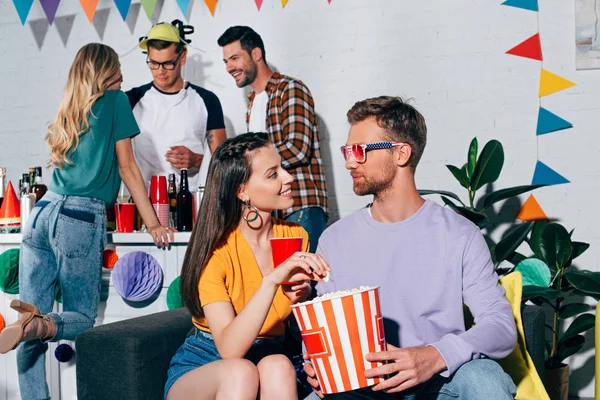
167	65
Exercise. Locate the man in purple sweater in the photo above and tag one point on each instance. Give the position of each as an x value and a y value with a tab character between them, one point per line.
428	261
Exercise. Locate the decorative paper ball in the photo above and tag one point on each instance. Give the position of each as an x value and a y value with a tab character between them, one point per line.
109	258
64	353
174	299
137	276
1	323
9	271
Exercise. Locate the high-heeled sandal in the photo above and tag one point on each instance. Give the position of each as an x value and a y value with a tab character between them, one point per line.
13	334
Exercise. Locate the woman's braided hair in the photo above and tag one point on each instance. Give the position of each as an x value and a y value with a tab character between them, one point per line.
220	211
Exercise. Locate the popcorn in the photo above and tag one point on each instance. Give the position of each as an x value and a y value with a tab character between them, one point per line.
339	293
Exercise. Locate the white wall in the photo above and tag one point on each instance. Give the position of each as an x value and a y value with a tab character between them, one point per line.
447	55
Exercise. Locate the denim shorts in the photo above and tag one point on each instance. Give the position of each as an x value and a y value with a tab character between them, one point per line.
199	349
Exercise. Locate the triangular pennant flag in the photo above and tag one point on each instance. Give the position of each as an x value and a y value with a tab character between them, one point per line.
549	122
531	210
50	7
552	83
525	4
149	6
258	4
184	6
123	7
64	25
101	21
89	7
544	175
23	7
283	3
39	28
212	5
530	48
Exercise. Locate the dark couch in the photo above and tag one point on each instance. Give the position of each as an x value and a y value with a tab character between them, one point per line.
129	359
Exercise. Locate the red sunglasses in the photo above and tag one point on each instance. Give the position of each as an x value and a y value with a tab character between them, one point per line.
359	151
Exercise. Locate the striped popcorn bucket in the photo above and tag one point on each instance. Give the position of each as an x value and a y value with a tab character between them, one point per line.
338	332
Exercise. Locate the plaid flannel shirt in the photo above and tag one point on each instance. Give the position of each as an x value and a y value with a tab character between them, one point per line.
292	126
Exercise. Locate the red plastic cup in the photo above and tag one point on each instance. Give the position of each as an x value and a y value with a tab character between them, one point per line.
282	249
158	190
124	217
160	198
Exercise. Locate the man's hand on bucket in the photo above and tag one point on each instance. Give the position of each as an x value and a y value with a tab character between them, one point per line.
411	366
311	376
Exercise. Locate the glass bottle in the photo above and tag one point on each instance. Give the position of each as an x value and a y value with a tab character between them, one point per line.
184	205
38	188
172	201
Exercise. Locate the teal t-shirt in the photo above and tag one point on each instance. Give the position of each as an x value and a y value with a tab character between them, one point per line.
95	169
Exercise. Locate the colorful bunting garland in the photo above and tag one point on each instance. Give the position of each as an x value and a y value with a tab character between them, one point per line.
148	6
23	7
531	210
530	48
531	5
547	122
89	7
184	6
212	5
123	7
50	7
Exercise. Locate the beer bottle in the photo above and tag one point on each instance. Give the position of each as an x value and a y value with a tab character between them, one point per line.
172	201
184	205
38	188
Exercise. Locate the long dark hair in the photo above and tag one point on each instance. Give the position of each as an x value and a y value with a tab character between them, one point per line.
220	211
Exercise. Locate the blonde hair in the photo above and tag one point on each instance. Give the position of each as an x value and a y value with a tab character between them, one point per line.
95	68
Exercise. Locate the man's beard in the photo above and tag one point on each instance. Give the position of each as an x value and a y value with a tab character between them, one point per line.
249	76
377	185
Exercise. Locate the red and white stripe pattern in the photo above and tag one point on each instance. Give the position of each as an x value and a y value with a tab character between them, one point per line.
338	333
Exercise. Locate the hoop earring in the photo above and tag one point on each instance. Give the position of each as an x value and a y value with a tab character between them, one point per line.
252	209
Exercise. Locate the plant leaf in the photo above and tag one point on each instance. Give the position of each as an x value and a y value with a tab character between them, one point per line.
585	281
570	347
460	176
579	325
472	157
578	249
475	217
507	193
515	258
511	241
489	165
571	310
442	193
535	272
533	292
536	235
556	246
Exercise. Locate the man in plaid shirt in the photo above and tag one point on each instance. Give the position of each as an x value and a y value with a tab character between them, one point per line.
283	107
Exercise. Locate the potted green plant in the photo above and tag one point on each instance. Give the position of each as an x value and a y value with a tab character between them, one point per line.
478	174
550	279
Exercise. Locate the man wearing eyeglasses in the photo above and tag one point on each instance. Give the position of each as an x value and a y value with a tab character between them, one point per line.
176	118
427	260
284	108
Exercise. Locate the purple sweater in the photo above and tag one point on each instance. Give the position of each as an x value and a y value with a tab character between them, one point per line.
427	266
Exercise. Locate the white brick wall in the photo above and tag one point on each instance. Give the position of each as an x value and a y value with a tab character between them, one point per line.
447	55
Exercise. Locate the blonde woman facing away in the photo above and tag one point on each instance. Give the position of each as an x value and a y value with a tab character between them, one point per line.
228	283
90	144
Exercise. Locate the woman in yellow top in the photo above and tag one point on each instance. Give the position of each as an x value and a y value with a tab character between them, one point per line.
229	285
